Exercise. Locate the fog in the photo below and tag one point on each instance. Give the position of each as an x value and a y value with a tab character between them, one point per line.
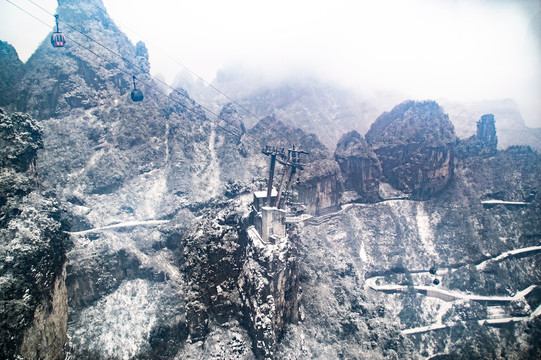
461	50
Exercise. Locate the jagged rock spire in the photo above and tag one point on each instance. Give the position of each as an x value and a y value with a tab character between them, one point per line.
486	131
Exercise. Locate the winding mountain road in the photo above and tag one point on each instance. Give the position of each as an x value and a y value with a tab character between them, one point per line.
121	225
502	202
488	322
522	251
451	296
446	295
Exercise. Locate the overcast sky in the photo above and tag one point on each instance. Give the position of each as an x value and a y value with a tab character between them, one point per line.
456	49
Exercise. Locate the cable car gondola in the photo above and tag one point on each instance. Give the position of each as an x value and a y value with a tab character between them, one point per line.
136	94
57	38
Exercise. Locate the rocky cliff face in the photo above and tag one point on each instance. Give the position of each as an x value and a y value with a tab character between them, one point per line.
359	165
46	337
212	256
269	289
11	72
484	142
33	249
415	144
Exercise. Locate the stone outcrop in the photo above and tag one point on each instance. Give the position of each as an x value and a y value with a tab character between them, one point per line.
415	145
319	187
210	247
484	142
269	289
232	276
359	166
486	131
212	253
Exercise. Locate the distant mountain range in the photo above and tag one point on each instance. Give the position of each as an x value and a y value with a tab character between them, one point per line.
329	110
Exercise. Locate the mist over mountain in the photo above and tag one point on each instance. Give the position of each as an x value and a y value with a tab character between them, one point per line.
303	101
135	230
330	110
511	127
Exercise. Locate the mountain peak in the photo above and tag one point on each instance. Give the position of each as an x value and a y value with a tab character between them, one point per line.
95	66
79	12
352	144
421	122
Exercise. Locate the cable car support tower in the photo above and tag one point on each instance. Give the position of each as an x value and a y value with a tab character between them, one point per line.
269	206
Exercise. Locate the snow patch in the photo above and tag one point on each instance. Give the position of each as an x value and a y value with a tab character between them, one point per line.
362	253
229	341
212	173
341	235
386	191
119	325
125	224
154	195
425	231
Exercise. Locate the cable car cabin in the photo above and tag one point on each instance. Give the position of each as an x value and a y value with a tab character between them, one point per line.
136	95
58	39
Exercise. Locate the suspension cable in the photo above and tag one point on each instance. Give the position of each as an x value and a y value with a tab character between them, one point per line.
182	65
143	82
140	68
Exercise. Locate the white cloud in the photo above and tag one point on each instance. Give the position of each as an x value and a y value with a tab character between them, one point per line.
458	49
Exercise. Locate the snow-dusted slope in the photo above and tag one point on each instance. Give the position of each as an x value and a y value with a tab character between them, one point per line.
158	197
368	272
